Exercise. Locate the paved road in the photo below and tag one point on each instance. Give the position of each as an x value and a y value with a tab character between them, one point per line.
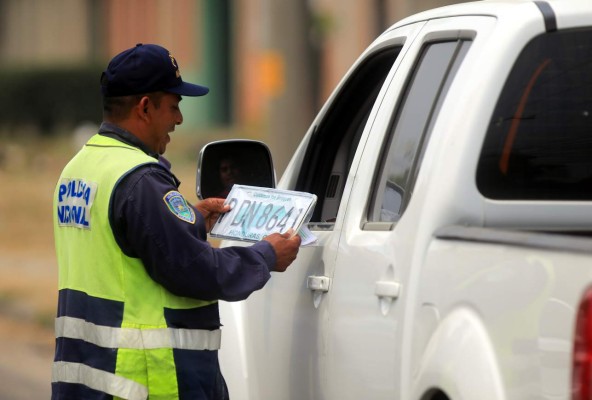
27	307
20	385
25	363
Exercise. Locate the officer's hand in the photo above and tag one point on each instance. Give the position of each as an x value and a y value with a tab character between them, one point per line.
286	248
211	209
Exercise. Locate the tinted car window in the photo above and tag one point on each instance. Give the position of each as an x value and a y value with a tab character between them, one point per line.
333	144
434	71
539	141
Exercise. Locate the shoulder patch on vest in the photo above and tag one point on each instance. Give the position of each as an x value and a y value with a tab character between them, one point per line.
74	201
178	206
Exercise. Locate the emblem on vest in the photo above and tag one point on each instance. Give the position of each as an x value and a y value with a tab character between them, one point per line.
178	206
75	198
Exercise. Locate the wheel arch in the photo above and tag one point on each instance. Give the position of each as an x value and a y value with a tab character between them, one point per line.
459	361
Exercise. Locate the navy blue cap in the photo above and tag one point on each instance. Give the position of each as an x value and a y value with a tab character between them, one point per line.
146	68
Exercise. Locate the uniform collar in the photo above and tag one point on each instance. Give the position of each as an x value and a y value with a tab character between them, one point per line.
116	132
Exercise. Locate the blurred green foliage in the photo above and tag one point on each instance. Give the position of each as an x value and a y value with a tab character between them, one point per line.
45	99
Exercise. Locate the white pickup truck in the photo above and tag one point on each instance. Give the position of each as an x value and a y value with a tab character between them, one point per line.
453	170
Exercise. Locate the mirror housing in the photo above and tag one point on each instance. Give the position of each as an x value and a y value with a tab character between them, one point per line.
225	162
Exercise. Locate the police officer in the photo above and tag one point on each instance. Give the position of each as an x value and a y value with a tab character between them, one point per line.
138	282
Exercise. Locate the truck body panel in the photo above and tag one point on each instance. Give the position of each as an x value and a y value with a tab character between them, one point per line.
420	285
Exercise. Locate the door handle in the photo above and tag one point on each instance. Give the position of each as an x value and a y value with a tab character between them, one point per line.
388	289
318	283
387	292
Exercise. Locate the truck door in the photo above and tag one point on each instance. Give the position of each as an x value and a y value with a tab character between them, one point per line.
373	274
278	348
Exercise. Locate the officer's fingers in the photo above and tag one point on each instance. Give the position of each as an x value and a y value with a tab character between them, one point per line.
287	239
286	249
288	234
212	205
219	206
296	240
293	238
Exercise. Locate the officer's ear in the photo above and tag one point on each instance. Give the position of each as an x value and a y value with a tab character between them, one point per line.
143	107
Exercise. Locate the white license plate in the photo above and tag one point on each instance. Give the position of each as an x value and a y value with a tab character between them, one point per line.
257	212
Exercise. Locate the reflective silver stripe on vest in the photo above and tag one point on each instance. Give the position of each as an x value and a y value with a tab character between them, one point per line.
97	379
131	338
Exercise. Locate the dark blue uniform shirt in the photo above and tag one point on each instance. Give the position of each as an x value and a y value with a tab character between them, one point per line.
176	253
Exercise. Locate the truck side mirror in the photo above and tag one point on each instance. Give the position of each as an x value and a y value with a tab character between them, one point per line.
226	162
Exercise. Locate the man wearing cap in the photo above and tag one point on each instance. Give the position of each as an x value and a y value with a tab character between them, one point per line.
138	282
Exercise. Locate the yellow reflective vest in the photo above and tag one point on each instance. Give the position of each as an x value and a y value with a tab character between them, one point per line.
115	329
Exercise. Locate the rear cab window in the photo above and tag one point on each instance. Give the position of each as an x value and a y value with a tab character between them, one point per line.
539	141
